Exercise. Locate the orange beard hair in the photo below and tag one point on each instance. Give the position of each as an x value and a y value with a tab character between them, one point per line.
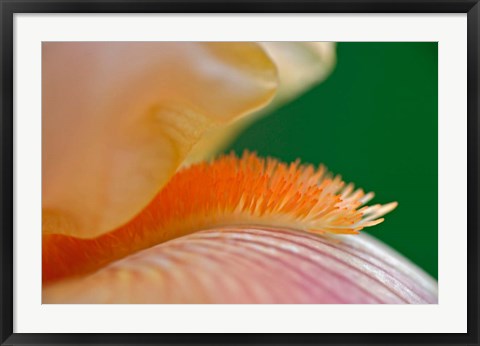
228	191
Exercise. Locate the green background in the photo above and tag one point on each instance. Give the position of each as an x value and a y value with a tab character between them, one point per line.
374	121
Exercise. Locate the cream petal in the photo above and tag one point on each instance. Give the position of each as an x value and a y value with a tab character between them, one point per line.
120	118
300	66
233	265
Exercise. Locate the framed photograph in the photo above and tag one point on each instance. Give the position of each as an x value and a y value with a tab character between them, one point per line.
250	172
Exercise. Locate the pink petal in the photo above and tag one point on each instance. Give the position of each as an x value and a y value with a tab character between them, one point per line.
255	265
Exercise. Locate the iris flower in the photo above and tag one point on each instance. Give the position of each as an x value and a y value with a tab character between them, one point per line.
137	208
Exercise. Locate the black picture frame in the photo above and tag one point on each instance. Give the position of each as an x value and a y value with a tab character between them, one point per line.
10	7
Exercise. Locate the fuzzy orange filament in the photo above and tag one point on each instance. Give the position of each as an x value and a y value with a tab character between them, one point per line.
228	191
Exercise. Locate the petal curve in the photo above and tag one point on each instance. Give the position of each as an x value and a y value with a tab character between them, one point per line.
255	265
300	65
120	118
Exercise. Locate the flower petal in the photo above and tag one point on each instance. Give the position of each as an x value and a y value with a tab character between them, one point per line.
254	265
300	65
120	118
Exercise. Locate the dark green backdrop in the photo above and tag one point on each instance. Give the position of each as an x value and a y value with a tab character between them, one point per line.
374	121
